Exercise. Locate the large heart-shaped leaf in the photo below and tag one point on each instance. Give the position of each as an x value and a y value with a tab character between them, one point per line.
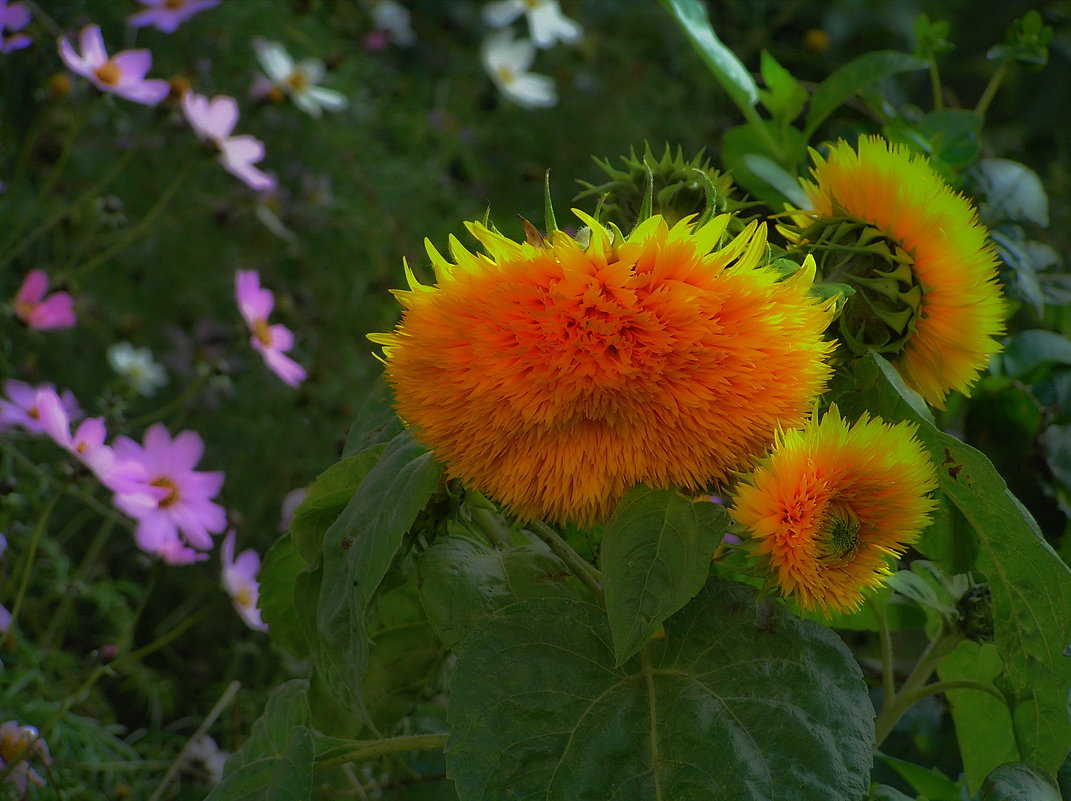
739	701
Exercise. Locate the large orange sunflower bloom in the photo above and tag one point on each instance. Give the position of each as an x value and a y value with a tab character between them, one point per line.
553	377
951	288
831	503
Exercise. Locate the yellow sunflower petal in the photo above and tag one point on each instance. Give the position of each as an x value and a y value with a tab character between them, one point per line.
962	310
832	502
554	378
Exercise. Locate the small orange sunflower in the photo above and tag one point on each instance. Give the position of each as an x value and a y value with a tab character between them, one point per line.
924	272
554	376
831	502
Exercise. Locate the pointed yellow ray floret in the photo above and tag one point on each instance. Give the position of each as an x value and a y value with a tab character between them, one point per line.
554	377
832	503
961	311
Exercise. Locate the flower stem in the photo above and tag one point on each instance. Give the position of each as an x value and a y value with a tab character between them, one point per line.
888	680
70	489
991	88
60	618
369	749
580	567
140	227
176	764
914	687
27	566
492	527
935	85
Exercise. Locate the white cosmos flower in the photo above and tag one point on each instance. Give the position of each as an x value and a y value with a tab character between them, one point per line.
392	17
507	61
136	365
546	21
298	79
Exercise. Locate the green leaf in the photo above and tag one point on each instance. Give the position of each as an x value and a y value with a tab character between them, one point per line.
1026	351
1019	782
1030	585
462	581
404	660
292	778
358	550
1013	192
284	777
727	69
656	553
327	496
740	700
376	421
784	96
277	576
883	792
286	708
854	76
783	182
929	782
743	141
983	723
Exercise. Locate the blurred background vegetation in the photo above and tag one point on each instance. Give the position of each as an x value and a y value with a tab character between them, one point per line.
426	143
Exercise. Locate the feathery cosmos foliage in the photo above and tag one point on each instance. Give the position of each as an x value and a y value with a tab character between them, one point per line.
832	502
554	376
950	334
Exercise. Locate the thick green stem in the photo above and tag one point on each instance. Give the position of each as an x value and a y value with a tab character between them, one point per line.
914	686
991	88
580	567
652	704
888	680
369	749
935	85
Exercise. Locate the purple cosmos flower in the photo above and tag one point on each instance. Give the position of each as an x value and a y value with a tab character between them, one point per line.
271	341
167	15
19	408
240	582
13	17
172	497
37	311
123	74
291	503
213	120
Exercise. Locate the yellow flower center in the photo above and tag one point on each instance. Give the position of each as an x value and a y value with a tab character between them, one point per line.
174	5
262	331
172	496
297	81
108	73
506	75
244	598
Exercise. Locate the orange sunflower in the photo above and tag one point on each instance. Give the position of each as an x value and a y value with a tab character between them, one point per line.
832	502
554	376
924	272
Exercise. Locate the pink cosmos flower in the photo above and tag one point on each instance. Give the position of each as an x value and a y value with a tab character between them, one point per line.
240	582
19	408
87	444
123	74
172	498
271	341
167	15
37	311
25	742
213	120
13	17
